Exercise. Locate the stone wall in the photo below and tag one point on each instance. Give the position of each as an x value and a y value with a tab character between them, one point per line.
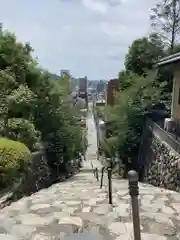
38	174
36	177
162	165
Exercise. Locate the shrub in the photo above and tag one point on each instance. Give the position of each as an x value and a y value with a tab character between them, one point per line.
14	156
20	129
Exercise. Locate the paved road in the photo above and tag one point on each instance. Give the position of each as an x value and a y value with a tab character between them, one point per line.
78	209
91	153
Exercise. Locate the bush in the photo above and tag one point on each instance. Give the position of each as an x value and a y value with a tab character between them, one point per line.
14	156
20	129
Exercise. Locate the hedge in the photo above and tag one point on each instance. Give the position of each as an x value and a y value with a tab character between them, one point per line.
14	157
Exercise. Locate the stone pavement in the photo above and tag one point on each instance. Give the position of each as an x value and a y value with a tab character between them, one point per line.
80	206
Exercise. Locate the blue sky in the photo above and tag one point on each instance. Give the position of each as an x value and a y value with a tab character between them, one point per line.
88	37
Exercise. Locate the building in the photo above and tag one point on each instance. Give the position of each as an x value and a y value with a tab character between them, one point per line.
173	63
64	72
100	86
82	92
112	87
83	85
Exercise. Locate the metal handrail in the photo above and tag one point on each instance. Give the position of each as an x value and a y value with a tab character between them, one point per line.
134	192
97	174
102	176
109	171
95	171
92	168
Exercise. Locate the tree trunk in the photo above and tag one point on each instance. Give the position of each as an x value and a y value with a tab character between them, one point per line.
173	26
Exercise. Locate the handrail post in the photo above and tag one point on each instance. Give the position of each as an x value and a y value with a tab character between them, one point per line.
102	176
93	170
97	174
134	192
110	184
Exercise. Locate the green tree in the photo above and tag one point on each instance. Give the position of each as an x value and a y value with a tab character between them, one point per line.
143	87
34	106
126	79
56	119
143	54
16	97
141	59
165	19
129	115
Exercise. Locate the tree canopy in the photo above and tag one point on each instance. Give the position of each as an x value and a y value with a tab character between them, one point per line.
143	88
34	106
165	18
143	54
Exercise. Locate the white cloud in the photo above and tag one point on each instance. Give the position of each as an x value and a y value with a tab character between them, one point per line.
95	5
113	30
90	37
67	27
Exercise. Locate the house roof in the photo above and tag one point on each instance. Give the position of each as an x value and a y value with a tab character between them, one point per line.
169	60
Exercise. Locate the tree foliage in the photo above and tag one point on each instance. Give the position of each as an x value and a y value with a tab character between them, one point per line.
141	91
143	54
145	90
165	19
14	157
34	106
129	116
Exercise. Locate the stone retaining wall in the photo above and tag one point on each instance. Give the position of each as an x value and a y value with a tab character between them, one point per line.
163	165
36	177
38	174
